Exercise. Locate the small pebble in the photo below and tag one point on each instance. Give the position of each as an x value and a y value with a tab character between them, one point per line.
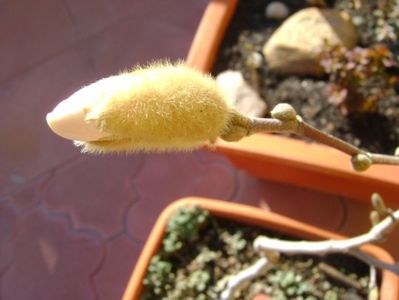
276	10
255	59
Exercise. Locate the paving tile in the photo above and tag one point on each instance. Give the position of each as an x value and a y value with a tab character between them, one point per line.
121	256
28	195
322	210
8	219
157	9
43	28
50	262
94	192
167	177
167	34
32	149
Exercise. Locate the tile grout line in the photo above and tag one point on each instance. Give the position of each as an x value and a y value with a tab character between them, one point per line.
67	48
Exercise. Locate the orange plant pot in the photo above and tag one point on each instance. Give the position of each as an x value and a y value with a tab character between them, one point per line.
389	288
285	159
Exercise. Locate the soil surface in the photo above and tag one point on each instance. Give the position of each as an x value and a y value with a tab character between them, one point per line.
206	253
376	131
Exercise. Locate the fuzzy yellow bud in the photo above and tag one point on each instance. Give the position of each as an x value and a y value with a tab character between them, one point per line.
159	108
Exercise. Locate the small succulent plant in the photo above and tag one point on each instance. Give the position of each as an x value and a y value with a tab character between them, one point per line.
359	78
184	227
376	20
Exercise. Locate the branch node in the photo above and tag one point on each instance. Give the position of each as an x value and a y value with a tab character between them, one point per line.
284	112
361	162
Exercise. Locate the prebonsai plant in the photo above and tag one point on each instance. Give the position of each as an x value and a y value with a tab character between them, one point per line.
166	107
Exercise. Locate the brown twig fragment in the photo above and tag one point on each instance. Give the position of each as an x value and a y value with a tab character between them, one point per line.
332	272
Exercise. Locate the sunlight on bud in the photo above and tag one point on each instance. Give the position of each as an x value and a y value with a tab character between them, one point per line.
162	107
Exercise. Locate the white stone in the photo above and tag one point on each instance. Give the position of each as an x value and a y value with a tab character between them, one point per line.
295	47
240	94
276	10
255	59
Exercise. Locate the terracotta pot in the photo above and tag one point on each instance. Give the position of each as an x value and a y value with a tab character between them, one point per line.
253	216
285	159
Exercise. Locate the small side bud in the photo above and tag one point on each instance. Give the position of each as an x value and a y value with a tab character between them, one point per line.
234	133
273	256
374	218
361	162
378	204
284	112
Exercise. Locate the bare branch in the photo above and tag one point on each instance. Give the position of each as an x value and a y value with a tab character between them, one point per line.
351	245
285	120
238	280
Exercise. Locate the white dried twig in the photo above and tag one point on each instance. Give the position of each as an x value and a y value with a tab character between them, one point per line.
238	280
351	245
372	286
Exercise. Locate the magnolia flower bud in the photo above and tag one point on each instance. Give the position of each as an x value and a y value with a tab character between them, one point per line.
374	217
284	112
159	108
378	204
361	162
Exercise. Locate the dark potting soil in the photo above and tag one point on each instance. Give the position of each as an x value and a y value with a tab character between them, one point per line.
197	270
376	131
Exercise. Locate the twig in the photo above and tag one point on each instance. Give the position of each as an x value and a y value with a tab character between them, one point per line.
373	293
375	234
238	280
285	120
339	276
370	260
351	245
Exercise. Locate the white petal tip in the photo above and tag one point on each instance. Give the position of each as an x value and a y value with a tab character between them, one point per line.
68	120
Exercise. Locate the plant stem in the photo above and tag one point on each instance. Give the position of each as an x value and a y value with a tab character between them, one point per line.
295	124
351	245
339	276
238	280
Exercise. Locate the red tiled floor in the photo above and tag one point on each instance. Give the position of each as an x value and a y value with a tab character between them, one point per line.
121	254
32	149
173	176
72	225
50	260
94	200
7	234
